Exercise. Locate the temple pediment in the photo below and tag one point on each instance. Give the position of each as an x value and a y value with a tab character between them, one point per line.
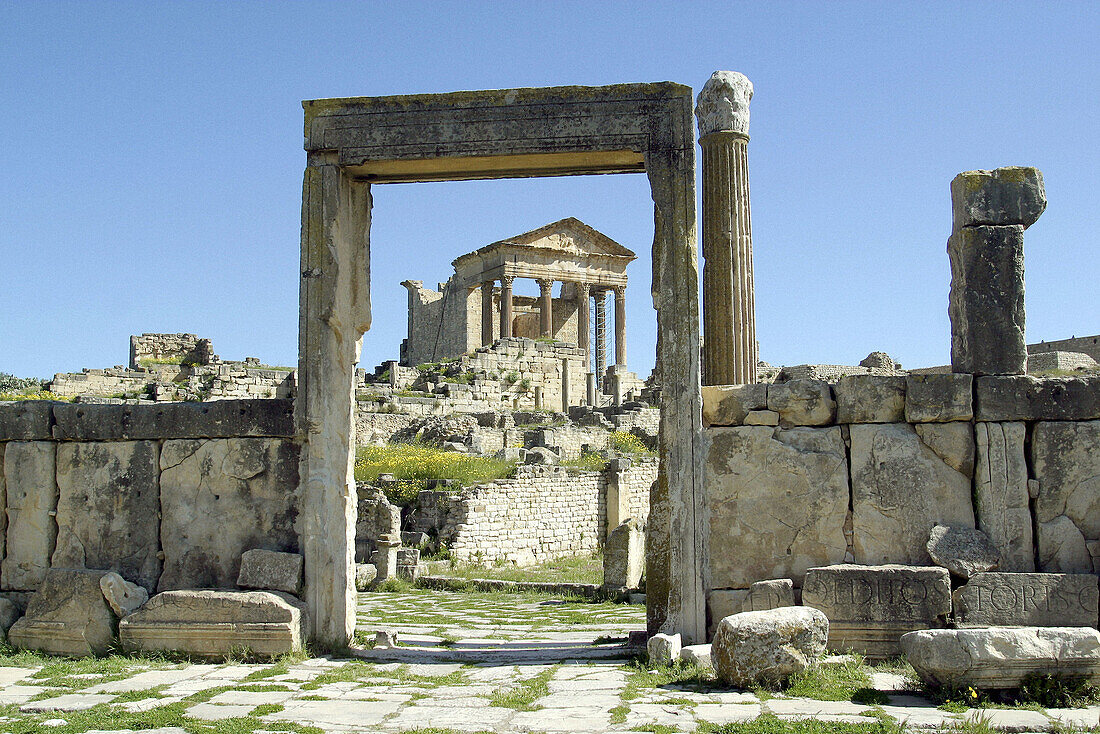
571	236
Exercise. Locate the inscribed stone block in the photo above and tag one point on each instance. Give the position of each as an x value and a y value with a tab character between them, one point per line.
802	402
870	399
769	594
1066	461
939	398
107	509
727	405
1027	599
1001	500
67	616
1027	398
778	500
871	607
29	473
901	489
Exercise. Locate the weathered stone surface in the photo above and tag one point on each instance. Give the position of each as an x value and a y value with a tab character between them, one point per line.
870	399
754	648
376	516
624	556
663	649
3	503
871	607
1066	460
385	557
1001	657
962	551
699	655
722	603
762	418
727	405
1027	599
123	597
1001	500
986	304
365	574
9	613
769	594
952	442
107	509
900	489
29	473
385	639
802	402
778	499
214	419
541	455
249	484
1009	195
723	103
67	616
1027	398
26	420
271	571
939	398
212	623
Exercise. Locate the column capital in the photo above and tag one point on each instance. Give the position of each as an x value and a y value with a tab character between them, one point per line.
584	288
506	280
723	104
545	283
620	290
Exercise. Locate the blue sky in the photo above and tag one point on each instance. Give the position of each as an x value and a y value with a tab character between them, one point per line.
152	160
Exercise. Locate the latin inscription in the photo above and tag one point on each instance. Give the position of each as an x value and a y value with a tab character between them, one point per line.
1041	599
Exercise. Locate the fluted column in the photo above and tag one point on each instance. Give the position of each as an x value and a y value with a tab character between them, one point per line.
729	301
601	334
620	326
546	306
584	322
506	306
487	312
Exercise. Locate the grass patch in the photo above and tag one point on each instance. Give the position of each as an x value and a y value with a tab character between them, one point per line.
582	569
678	675
656	728
772	724
107	717
368	674
1036	693
266	708
843	681
587	462
523	696
414	464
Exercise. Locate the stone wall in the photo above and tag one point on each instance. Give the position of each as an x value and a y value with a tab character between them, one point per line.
167	495
1089	345
177	348
805	474
214	381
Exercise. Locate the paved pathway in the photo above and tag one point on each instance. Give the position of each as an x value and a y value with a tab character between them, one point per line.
478	663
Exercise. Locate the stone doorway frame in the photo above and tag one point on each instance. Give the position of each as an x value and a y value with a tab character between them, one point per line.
352	143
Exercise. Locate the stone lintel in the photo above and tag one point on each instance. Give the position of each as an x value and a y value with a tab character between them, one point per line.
213	419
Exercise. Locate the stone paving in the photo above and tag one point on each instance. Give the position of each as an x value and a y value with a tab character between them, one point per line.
467	663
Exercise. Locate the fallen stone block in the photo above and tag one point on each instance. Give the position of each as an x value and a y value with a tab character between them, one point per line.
123	597
663	649
939	398
271	570
728	405
67	616
1009	195
699	655
210	623
1002	657
624	556
767	648
962	551
769	594
1027	599
870	399
1027	398
870	607
802	402
385	639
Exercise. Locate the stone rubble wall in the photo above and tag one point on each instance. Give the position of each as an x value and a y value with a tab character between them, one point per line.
168	495
806	474
214	381
180	348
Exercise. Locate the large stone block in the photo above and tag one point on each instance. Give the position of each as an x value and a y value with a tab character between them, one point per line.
964	552
939	398
727	405
271	571
29	473
1009	195
250	485
986	304
778	500
1027	398
213	623
67	616
755	648
1027	599
870	399
952	442
624	556
1002	657
871	607
26	420
802	402
901	489
108	508
1066	459
1001	500
214	419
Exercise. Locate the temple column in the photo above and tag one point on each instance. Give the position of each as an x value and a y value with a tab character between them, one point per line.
546	306
584	322
729	310
620	326
506	306
601	334
487	312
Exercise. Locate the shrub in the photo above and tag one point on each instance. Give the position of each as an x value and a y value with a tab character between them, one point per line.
627	443
414	464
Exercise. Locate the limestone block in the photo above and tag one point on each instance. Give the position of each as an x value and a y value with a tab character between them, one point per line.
761	418
3	502
901	489
663	649
769	594
213	419
213	623
871	607
364	576
624	556
727	405
802	402
67	616
123	597
722	603
986	304
1009	195
30	476
1027	398
107	509
9	613
1066	460
1001	500
962	551
1027	599
249	484
939	398
952	442
1002	657
767	648
271	570
699	655
778	500
870	399
26	420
